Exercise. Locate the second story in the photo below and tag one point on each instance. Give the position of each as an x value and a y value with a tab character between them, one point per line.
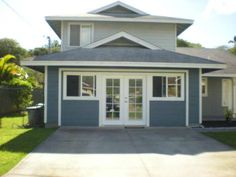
118	24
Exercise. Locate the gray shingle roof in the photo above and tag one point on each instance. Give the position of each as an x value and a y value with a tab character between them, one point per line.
123	54
218	55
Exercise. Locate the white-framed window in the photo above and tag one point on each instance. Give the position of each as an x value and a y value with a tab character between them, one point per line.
79	86
80	34
168	87
204	87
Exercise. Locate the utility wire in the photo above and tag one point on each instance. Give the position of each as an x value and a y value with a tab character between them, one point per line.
14	10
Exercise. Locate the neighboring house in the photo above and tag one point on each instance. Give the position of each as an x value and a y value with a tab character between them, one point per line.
118	67
219	87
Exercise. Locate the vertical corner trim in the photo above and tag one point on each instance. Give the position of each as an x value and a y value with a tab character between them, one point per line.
59	96
187	98
200	96
45	92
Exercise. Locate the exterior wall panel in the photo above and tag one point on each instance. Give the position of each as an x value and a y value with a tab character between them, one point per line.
194	97
86	112
167	113
212	104
161	35
52	97
80	113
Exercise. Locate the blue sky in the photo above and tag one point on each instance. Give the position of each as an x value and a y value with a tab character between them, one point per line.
214	20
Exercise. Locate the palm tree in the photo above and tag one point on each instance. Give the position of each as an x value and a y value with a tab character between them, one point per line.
9	69
233	41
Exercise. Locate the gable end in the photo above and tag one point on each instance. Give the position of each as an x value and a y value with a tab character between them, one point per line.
118	8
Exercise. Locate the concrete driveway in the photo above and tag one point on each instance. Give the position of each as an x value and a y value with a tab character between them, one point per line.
163	152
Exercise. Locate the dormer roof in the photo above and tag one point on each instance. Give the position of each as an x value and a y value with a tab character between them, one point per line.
118	8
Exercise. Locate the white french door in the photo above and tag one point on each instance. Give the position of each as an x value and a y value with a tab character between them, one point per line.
124	100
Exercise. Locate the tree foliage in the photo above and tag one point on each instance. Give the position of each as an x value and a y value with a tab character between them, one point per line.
39	51
184	43
233	49
16	81
10	46
9	69
44	50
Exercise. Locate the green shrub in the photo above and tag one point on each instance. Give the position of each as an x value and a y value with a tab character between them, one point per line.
21	93
228	114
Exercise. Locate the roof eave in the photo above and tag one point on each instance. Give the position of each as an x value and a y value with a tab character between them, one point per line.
123	64
219	75
118	19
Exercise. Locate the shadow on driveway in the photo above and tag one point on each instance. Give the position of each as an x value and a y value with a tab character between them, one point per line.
169	141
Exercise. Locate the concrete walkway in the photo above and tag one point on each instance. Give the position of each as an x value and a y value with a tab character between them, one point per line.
163	152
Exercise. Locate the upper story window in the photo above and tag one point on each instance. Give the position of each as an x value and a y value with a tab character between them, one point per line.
168	87
204	87
80	34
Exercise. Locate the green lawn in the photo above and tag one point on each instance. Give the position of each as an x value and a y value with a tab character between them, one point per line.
16	142
228	138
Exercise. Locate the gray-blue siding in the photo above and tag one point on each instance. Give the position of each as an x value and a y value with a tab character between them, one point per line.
194	96
212	104
86	112
167	113
173	113
52	97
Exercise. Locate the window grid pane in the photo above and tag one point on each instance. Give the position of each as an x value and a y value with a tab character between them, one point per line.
135	99
112	99
74	35
80	86
88	87
73	85
167	86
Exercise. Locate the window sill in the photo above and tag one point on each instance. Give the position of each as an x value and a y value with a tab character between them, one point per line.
166	99
81	98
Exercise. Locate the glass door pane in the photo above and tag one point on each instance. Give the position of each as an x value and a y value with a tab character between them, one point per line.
112	99
135	99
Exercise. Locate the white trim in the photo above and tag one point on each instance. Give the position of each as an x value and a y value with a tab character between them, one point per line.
182	98
159	19
59	96
149	95
45	93
81	24
234	96
175	36
124	95
118	3
62	35
125	35
200	95
219	75
65	97
131	71
122	64
206	86
187	98
231	94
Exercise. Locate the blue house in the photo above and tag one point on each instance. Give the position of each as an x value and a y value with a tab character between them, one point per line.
118	67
